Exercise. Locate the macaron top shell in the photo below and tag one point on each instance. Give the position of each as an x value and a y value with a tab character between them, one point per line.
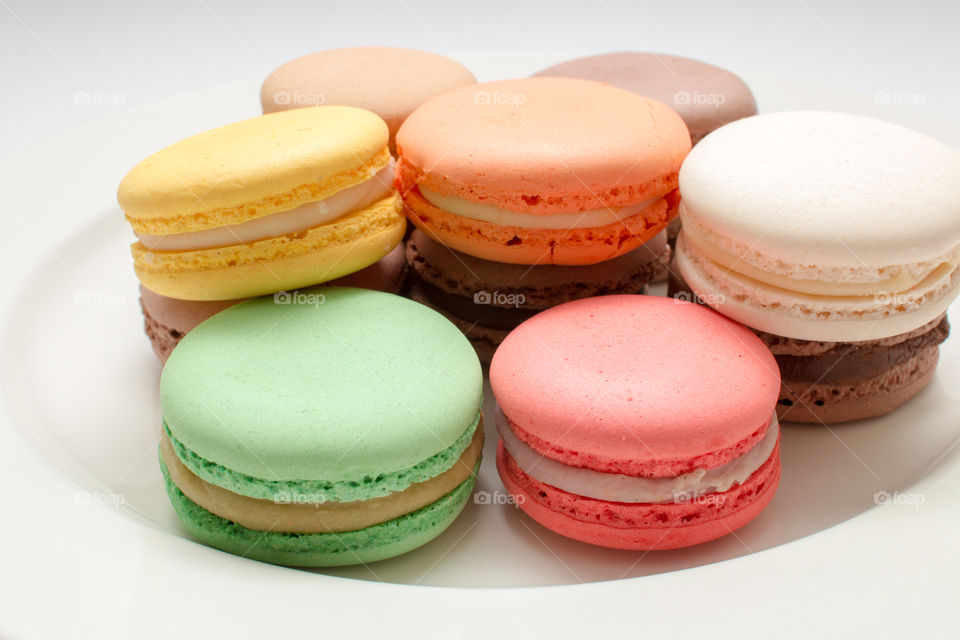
253	168
705	96
824	188
638	384
337	384
389	81
542	145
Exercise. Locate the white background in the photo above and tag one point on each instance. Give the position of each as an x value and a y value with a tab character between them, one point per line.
58	56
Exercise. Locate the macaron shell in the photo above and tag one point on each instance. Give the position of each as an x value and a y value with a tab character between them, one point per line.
517	245
253	168
705	96
542	145
641	526
870	397
318	255
377	542
344	385
825	189
639	385
389	81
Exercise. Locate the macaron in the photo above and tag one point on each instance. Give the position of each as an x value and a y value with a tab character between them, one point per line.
531	171
388	81
486	299
167	320
637	422
837	237
340	428
277	202
705	96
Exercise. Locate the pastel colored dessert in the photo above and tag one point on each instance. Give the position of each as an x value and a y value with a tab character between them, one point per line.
389	81
167	320
623	436
530	171
340	431
705	96
486	300
838	238
273	203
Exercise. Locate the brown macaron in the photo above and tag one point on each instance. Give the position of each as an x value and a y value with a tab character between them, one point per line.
167	320
487	299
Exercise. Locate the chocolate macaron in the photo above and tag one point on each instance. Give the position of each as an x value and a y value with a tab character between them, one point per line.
167	320
487	299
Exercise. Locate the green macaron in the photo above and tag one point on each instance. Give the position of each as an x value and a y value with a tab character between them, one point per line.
326	427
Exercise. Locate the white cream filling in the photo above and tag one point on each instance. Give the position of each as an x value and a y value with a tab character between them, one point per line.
507	218
303	217
903	280
617	487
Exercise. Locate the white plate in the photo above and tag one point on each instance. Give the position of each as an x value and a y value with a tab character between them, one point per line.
91	546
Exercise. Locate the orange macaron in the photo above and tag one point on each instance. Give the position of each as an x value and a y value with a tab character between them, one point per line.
530	171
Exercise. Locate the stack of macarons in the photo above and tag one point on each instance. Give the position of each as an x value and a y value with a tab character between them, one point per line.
525	197
340	429
277	202
331	425
837	238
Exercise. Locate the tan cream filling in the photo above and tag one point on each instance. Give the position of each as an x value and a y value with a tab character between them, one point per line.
901	282
298	516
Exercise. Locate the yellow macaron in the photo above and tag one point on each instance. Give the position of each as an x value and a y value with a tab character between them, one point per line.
277	202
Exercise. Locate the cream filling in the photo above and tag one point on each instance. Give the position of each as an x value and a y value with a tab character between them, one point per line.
299	514
305	216
617	487
507	218
901	282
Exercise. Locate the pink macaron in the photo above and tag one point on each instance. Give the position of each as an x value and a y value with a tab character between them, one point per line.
637	422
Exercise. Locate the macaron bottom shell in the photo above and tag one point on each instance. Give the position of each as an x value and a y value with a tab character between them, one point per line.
649	527
370	544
